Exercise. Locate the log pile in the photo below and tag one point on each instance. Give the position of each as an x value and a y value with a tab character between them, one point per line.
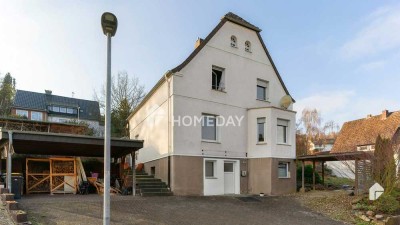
54	175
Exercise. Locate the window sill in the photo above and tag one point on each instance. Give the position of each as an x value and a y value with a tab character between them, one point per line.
211	178
262	100
218	90
211	141
286	144
261	143
283	177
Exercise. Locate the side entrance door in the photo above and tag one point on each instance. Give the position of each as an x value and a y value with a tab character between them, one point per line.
229	178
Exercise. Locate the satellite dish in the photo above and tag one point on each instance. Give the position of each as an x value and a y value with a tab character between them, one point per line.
286	101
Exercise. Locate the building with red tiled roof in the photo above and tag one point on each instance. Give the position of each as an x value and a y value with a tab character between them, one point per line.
361	134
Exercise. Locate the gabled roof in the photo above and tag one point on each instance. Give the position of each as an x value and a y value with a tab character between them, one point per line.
365	131
240	21
40	101
228	17
30	100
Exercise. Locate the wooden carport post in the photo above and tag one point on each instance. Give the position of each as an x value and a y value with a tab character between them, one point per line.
313	175
323	172
1	155
302	177
133	173
356	177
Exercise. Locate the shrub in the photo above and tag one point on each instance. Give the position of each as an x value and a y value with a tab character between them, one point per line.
387	204
308	175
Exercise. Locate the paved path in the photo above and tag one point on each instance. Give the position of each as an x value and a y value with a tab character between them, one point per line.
87	210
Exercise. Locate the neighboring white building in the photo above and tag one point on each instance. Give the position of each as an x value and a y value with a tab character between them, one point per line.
229	77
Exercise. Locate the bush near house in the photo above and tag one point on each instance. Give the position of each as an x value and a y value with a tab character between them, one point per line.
387	203
308	178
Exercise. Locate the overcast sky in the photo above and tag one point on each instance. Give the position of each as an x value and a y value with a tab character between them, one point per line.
341	57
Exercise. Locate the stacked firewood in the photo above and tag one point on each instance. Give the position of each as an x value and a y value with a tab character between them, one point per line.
63	167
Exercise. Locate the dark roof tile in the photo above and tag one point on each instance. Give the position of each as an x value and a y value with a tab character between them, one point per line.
40	101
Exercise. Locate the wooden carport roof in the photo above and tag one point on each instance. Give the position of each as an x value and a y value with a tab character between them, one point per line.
39	143
334	156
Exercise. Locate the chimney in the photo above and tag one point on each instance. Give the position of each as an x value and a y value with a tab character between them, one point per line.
385	114
198	42
48	92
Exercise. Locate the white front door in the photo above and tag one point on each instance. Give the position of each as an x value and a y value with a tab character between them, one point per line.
229	178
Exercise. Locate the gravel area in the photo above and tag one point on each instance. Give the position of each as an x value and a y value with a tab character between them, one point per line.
75	209
5	218
334	204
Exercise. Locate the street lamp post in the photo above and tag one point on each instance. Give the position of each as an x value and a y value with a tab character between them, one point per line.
109	23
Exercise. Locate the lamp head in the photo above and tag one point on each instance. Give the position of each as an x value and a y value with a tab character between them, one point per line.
109	23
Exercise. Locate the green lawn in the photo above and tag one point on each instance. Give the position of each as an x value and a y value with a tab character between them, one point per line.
339	181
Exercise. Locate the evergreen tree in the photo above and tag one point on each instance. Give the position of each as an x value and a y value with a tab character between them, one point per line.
384	166
7	93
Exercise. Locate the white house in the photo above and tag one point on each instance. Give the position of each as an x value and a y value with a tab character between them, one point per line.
222	121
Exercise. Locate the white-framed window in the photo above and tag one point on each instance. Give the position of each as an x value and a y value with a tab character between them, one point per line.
22	113
282	131
63	110
60	120
56	109
209	168
209	128
247	46
218	78
233	41
262	89
283	170
261	129
38	116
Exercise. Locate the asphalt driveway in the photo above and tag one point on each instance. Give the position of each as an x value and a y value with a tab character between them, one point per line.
87	210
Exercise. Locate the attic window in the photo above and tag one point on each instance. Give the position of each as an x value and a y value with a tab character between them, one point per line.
247	46
217	79
233	41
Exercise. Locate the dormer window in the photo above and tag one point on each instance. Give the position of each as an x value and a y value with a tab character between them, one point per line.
233	41
247	46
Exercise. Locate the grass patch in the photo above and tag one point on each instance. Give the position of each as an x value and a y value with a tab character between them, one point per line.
339	181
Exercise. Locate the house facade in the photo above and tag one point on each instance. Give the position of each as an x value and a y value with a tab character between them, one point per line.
58	109
222	122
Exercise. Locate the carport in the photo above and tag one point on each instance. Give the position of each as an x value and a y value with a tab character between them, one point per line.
52	144
361	170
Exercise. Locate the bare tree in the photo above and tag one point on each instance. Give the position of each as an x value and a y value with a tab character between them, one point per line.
123	89
126	94
311	120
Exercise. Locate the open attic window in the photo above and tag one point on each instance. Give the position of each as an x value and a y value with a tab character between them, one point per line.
218	79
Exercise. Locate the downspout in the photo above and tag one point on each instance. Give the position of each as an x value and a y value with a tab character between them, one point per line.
9	161
169	127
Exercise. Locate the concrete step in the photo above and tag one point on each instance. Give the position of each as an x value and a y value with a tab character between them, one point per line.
147	180
154	190
7	197
144	176
144	184
152	185
157	194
